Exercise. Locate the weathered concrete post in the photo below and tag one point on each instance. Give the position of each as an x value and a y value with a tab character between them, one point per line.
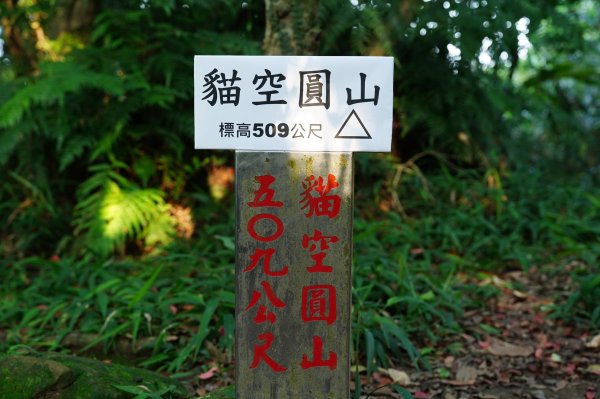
294	251
294	123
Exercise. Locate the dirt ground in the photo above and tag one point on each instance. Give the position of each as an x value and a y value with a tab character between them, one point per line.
521	351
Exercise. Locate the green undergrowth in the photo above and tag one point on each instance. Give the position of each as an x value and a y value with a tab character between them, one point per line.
418	249
418	261
157	312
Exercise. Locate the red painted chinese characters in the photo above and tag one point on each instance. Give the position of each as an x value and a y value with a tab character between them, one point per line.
319	200
265	297
319	302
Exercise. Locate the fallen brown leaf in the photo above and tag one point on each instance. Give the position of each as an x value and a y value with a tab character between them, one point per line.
571	367
399	377
520	295
560	385
594	343
594	369
448	361
209	374
382	379
466	374
500	348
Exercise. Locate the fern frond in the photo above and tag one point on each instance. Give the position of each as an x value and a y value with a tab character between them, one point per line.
74	148
9	139
56	81
112	210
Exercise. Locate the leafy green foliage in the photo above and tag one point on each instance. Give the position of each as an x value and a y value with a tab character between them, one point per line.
560	85
409	271
115	104
462	77
111	210
156	310
126	82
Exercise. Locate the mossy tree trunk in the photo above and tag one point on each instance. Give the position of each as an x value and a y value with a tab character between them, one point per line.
292	27
55	376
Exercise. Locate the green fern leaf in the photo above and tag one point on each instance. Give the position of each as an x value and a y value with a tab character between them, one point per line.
112	210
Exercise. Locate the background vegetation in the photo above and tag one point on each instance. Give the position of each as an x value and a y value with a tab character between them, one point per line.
117	234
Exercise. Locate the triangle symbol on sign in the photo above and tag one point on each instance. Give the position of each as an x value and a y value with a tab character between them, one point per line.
353	130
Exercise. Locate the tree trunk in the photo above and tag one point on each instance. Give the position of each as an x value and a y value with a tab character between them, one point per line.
24	62
27	32
292	27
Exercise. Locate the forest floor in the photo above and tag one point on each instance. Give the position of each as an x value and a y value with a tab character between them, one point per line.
521	352
524	353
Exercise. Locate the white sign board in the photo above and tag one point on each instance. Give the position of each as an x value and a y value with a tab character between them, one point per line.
281	103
